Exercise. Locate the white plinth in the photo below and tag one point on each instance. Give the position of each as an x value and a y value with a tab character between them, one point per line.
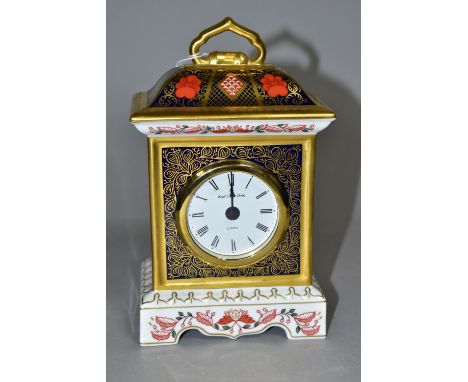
230	312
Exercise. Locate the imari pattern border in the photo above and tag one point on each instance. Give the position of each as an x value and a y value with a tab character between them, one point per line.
195	87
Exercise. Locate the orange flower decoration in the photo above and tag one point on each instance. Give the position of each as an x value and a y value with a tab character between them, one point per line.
235	315
188	87
274	85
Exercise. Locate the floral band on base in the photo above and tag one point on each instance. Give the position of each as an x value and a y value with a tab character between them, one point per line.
235	322
232	312
237	128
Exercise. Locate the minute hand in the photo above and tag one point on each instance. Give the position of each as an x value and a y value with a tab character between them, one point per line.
231	183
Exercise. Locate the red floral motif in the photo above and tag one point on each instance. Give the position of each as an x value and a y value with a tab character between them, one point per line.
273	128
203	129
233	129
296	128
162	328
220	129
166	323
305	318
193	129
274	85
235	315
160	336
267	315
205	319
243	129
163	130
310	330
188	87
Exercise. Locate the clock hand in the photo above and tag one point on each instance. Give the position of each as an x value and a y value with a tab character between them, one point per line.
231	183
232	213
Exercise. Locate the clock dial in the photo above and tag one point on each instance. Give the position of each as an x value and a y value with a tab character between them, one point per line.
232	214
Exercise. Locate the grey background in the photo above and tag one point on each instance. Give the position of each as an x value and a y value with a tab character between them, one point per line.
318	43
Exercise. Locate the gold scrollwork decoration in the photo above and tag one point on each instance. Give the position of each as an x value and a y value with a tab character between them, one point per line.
180	163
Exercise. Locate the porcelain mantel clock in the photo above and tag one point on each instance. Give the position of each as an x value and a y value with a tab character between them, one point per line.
231	146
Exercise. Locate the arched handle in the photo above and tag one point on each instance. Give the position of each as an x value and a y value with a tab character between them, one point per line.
226	58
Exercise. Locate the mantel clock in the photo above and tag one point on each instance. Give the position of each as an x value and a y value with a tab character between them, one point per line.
231	150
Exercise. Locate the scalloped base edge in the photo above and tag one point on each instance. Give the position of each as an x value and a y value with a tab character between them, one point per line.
230	312
201	330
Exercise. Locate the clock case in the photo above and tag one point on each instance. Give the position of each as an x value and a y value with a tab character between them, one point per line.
221	107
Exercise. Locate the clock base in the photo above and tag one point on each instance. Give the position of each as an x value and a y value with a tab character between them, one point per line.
230	312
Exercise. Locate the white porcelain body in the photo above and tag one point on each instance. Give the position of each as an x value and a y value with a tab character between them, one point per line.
234	127
230	312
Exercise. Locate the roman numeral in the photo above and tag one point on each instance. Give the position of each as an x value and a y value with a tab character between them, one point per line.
262	194
203	230
198	215
266	210
248	183
262	227
199	197
213	183
250	240
233	245
215	241
231	179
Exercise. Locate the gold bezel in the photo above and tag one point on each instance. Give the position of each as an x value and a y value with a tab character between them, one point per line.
218	168
155	147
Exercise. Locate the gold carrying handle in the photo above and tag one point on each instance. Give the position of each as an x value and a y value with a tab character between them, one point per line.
228	58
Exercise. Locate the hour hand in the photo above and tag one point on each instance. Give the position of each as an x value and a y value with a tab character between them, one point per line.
232	213
231	183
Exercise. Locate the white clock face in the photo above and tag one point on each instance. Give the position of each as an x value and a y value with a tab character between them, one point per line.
232	214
